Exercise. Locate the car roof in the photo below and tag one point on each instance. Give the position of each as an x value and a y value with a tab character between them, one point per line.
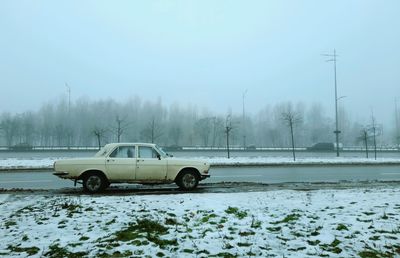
112	145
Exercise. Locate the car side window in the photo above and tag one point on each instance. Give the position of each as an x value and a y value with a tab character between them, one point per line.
147	153
123	152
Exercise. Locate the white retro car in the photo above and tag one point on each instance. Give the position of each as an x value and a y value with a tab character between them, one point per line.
142	163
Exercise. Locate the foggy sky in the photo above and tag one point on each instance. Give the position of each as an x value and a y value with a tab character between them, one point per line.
204	53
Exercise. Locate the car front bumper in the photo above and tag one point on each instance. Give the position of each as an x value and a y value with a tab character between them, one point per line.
202	177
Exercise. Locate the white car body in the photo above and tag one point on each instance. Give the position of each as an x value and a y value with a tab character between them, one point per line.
143	163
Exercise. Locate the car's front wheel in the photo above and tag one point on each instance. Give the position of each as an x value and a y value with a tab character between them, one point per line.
188	180
94	182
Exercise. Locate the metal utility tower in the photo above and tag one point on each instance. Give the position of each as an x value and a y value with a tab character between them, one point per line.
337	131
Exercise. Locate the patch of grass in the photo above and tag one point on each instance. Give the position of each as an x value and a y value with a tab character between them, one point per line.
372	253
368	213
25	238
116	254
110	222
71	208
206	218
315	232
9	224
289	218
29	250
171	221
332	247
145	228
364	220
246	233
225	255
240	244
235	211
374	238
313	242
189	251
55	251
83	238
297	249
255	223
227	246
203	252
341	227
297	234
203	234
274	229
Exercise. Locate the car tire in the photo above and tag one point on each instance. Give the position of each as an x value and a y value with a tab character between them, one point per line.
94	183
188	180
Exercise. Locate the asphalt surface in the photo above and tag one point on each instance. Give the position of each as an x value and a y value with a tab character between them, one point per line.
225	176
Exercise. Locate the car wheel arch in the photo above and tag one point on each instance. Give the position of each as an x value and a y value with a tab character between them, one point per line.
90	171
197	172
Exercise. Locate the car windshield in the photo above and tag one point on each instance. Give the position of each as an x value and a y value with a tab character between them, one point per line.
103	151
162	153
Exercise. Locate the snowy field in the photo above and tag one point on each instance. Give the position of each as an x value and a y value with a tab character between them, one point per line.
12	163
282	223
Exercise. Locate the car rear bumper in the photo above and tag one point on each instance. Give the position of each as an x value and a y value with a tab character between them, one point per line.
61	174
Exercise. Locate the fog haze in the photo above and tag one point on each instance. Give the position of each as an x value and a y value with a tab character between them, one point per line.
203	53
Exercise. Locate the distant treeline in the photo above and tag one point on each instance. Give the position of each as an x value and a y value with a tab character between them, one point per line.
90	123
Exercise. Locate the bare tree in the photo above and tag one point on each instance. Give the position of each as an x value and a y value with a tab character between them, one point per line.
291	119
152	131
122	125
8	126
175	133
364	138
99	133
203	128
228	128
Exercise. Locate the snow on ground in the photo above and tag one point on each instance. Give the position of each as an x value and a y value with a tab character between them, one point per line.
12	163
284	223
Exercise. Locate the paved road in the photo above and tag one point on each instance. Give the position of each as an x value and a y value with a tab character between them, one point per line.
269	175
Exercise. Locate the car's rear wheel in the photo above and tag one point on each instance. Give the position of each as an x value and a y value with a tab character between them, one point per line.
94	182
188	180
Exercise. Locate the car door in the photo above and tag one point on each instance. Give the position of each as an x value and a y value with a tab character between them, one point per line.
121	164
149	165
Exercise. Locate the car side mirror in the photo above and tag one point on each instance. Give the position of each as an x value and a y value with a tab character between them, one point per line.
159	156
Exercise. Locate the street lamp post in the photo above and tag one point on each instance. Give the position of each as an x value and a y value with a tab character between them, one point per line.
69	115
397	124
244	122
337	131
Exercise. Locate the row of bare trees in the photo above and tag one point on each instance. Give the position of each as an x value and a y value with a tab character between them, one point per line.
94	123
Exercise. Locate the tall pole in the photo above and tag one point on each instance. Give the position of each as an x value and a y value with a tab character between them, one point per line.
397	124
69	97
337	131
69	114
244	122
